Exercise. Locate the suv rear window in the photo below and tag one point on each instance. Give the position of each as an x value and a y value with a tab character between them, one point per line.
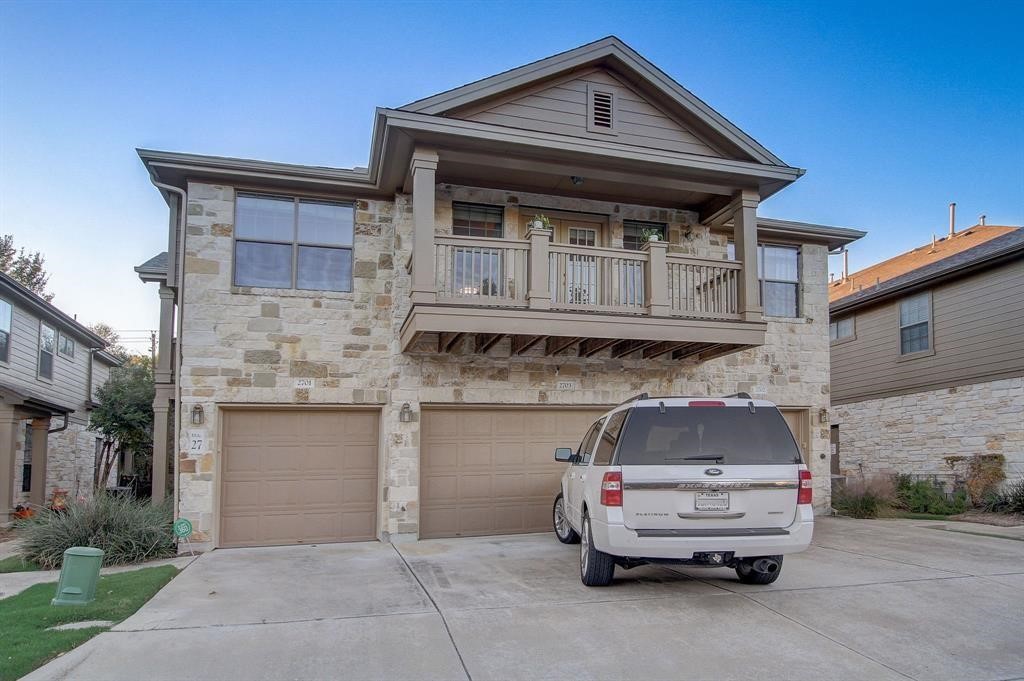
701	436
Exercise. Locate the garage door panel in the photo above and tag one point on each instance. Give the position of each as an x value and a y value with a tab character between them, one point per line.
491	470
291	476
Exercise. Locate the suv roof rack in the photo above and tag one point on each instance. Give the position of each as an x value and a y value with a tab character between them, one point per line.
739	396
634	398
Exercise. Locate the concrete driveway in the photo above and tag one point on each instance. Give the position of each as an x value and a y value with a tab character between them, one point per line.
870	600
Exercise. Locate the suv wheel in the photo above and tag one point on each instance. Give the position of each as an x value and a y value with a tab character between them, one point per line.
563	530
596	567
762	570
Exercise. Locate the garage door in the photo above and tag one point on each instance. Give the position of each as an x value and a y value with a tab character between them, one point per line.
298	477
492	471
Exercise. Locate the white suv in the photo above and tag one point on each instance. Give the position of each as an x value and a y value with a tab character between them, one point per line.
716	482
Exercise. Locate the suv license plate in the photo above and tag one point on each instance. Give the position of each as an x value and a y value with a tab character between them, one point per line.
711	501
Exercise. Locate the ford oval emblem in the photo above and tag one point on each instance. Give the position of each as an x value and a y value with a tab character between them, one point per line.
712	471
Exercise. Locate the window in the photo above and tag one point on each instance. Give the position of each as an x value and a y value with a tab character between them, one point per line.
293	243
470	219
610	436
47	346
581	236
5	331
778	268
633	237
915	323
602	109
705	436
66	346
841	329
587	446
26	462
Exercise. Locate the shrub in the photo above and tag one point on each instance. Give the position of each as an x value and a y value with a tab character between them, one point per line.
922	496
1009	500
984	474
128	530
865	498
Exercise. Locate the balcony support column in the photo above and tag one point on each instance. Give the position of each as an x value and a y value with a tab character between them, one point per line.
539	291
423	169
656	279
162	371
745	238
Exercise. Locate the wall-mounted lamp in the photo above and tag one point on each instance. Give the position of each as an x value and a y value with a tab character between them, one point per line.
405	416
197	415
823	415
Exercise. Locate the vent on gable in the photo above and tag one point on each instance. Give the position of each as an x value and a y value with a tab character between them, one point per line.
601	110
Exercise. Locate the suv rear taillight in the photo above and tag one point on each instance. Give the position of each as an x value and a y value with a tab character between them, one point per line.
805	494
611	489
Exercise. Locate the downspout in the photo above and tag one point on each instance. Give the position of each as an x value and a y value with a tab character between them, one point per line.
62	428
180	304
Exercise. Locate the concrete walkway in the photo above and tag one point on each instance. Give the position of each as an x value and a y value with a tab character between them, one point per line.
870	600
12	583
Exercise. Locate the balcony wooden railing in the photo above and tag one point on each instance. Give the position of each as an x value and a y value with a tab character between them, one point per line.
499	272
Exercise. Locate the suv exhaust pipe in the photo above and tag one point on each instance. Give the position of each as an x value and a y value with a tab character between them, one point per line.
766	566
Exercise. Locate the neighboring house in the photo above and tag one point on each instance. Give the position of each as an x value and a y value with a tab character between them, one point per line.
395	351
50	368
928	357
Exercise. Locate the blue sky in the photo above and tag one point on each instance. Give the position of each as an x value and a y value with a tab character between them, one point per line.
894	109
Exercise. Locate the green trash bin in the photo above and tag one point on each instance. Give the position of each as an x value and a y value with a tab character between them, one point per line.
78	576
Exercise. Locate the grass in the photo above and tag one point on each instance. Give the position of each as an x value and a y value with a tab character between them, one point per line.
17	564
25	643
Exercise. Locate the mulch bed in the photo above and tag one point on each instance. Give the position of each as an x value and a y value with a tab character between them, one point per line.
998	519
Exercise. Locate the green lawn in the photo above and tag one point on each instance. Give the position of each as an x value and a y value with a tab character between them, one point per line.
25	642
16	564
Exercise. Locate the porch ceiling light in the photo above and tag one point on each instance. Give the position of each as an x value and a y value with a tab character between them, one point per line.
576	179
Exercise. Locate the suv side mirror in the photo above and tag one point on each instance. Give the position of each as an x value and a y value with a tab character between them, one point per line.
563	454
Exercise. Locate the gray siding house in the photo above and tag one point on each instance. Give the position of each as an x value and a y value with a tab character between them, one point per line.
928	357
394	351
50	367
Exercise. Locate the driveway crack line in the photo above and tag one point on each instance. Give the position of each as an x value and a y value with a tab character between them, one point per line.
265	622
444	620
893	560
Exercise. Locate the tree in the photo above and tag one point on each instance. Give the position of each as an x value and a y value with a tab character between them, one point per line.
28	269
124	417
114	346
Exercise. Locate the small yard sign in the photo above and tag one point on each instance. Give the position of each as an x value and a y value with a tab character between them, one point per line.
183	530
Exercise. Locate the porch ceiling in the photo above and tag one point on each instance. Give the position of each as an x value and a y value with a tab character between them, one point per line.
433	329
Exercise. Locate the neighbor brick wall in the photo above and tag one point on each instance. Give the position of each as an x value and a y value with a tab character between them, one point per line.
247	345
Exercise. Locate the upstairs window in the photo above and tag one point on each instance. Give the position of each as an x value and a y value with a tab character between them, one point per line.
602	109
633	232
294	243
841	329
47	346
778	268
5	331
470	219
915	323
66	346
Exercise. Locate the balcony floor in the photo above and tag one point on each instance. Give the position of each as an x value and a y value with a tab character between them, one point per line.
434	329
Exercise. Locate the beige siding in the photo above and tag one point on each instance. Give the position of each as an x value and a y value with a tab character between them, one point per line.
562	108
70	375
977	337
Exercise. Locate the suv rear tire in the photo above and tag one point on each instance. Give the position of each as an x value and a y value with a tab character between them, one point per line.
560	519
596	567
748	575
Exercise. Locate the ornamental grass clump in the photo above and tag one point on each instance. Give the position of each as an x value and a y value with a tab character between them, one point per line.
865	497
127	530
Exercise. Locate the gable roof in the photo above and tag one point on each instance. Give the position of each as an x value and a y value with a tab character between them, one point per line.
911	271
620	57
48	311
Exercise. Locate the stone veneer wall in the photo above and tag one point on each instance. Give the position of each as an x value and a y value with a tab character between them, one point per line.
69	462
249	345
913	433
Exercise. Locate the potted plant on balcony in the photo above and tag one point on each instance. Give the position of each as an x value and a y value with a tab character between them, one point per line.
540	222
651	234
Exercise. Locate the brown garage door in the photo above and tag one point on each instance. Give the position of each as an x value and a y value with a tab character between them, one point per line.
298	477
492	471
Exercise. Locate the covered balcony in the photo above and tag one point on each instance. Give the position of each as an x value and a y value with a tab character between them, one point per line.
578	299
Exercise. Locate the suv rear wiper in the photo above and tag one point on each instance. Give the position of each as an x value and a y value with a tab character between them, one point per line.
700	457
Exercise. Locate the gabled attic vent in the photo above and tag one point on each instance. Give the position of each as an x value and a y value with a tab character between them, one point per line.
602	110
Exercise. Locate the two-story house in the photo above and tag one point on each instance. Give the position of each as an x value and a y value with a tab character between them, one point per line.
928	358
394	351
50	368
